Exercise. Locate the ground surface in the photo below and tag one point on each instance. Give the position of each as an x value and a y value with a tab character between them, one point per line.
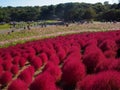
51	31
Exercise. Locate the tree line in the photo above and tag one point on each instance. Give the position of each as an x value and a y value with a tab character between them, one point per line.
65	12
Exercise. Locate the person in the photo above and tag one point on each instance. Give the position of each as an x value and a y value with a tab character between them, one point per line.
66	24
28	27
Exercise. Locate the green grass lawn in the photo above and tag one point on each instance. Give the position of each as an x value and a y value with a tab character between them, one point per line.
4	26
51	21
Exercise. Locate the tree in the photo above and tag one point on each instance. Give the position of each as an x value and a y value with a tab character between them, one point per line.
111	15
59	11
4	15
89	14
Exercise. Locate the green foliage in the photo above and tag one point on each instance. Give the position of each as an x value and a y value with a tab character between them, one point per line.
111	15
89	14
66	12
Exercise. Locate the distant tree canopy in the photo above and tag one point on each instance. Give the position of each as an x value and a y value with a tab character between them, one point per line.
66	12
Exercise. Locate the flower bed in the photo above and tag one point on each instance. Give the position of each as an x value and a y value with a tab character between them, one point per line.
87	61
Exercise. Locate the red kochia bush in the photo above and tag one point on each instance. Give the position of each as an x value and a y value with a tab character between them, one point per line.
25	55
91	48
30	50
1	69
54	58
36	62
15	69
5	78
73	71
75	49
14	52
7	56
104	65
110	54
60	52
91	42
48	51
1	60
110	64
86	83
31	70
7	65
81	42
17	85
22	61
16	60
44	58
108	44
26	75
115	65
109	80
54	70
43	81
75	56
92	58
66	47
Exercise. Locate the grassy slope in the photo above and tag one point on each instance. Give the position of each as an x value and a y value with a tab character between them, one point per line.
37	33
5	26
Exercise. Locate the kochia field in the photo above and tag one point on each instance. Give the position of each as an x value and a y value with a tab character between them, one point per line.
86	61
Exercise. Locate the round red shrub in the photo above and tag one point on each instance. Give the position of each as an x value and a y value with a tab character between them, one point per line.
1	60
108	44
91	48
17	85
14	52
91	60
75	49
30	50
7	57
110	54
86	83
25	55
81	42
31	69
16	60
74	55
7	65
5	78
1	70
44	58
48	51
91	42
54	70
104	65
60	52
15	69
54	58
73	71
26	76
109	80
115	65
66	48
22	61
43	81
36	62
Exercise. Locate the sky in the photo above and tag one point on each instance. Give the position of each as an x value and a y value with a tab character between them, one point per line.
4	3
